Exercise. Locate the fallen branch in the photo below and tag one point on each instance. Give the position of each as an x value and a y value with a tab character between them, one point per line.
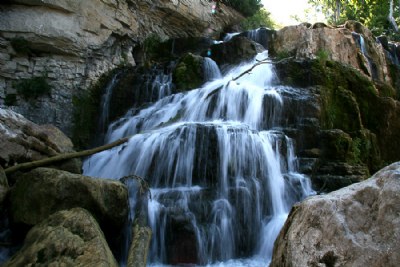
66	156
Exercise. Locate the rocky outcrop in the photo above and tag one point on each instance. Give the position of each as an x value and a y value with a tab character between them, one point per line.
343	125
237	50
356	226
67	238
341	44
43	191
23	141
70	44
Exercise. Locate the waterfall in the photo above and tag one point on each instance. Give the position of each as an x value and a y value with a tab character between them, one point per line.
361	44
223	177
211	70
229	36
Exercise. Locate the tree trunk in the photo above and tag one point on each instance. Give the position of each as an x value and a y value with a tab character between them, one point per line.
391	18
48	161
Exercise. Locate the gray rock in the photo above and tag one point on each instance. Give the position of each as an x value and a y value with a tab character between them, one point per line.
67	238
23	141
356	226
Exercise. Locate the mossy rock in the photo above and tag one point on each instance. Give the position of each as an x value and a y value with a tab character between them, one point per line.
188	73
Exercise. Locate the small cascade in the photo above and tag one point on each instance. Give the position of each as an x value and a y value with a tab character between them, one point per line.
105	104
211	70
229	36
260	35
361	44
223	177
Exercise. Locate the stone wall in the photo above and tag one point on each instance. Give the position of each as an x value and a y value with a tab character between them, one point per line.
72	43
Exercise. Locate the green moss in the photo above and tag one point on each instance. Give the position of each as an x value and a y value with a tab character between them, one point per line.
188	73
33	87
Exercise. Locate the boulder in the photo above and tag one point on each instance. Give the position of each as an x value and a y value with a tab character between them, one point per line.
41	192
355	226
66	238
241	47
23	141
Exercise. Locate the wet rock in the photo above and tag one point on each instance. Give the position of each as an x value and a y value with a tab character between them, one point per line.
23	141
41	192
241	47
66	238
355	226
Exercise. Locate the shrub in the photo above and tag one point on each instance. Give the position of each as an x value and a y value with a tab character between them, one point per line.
33	87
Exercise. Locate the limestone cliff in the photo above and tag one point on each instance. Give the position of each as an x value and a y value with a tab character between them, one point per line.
70	44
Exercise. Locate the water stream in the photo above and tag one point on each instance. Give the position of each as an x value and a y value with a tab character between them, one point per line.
223	177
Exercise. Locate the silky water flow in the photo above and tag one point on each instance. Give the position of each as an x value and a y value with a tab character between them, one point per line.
222	175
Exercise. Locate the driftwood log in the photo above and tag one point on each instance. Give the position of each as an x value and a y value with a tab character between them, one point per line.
61	157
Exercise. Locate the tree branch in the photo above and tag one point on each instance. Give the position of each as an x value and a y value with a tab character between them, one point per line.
66	156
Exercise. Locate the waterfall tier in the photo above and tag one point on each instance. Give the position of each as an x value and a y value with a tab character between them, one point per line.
222	175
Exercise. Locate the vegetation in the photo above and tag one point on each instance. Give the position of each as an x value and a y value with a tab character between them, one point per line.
33	87
262	18
380	16
246	7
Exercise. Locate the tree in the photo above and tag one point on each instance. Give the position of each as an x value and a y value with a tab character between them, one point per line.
262	18
247	7
380	16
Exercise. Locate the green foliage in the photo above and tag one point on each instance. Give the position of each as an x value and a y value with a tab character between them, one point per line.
188	73
322	56
33	87
20	45
10	99
262	18
247	7
372	13
283	54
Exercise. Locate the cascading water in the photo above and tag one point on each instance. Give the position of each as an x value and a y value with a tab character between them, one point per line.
222	177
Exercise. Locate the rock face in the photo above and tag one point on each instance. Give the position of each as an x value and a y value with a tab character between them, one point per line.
67	238
71	44
23	141
41	192
341	44
356	226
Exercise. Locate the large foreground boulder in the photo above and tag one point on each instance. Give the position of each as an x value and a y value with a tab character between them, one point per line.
356	226
66	238
41	192
24	141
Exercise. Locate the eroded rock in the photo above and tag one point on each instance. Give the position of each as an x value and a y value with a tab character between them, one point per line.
67	238
23	141
355	226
